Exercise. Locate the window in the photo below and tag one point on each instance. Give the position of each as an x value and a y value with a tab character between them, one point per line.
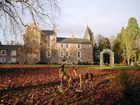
62	45
61	53
13	60
79	61
47	37
3	52
79	54
13	53
3	60
67	54
79	46
49	44
49	53
67	45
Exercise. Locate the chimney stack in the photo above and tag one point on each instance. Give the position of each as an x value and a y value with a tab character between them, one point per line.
73	36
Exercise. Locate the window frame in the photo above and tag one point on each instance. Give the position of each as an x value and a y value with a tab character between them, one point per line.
67	53
62	53
79	46
3	59
15	60
79	54
62	45
2	53
78	60
48	53
49	44
15	53
67	45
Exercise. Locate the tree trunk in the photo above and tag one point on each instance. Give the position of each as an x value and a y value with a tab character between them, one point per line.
128	61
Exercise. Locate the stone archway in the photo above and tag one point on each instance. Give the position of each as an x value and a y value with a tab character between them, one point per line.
111	57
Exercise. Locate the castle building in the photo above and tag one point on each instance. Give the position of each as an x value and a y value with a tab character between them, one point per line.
51	49
43	46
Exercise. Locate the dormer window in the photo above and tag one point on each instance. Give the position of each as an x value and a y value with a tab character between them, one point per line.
3	52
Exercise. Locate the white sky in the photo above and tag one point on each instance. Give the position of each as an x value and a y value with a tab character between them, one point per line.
105	17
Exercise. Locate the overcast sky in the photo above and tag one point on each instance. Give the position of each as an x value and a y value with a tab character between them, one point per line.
104	17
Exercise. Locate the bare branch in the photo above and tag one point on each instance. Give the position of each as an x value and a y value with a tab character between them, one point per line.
36	10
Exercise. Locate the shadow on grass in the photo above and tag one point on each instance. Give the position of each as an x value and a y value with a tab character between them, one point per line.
131	92
132	95
33	86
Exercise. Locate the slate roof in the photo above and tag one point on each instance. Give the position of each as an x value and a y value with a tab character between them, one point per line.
47	32
72	40
5	47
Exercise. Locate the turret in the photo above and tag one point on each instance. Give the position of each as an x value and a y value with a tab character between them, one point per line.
87	33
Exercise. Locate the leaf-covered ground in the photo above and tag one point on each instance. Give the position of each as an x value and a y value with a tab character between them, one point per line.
40	86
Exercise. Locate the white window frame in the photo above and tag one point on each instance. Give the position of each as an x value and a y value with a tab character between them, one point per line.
78	54
48	53
3	60
49	44
13	61
62	45
79	46
13	53
67	53
67	45
61	53
2	53
78	60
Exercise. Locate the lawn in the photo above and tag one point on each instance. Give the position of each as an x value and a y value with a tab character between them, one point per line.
116	67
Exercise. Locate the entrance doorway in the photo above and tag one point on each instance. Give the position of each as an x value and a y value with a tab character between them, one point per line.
106	58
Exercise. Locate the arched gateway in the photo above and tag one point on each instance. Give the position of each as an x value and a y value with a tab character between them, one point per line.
106	57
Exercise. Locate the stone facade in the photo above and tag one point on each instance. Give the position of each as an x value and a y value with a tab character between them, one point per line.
76	52
10	53
55	48
43	46
111	57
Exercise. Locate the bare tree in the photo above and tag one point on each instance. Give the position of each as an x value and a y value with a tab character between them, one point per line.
15	13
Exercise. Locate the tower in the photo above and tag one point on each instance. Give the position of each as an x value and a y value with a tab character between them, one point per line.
87	33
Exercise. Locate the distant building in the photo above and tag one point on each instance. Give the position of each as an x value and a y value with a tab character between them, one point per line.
9	53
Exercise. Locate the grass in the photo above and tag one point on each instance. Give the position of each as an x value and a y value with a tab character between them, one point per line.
97	67
121	67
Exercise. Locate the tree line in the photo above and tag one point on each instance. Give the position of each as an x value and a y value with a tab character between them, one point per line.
126	45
